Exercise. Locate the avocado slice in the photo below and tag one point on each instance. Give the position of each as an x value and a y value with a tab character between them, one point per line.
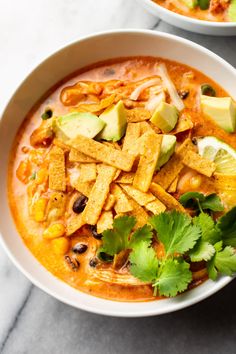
222	110
114	118
167	150
232	11
165	117
73	124
191	4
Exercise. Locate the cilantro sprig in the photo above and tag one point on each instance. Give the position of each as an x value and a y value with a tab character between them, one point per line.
184	240
200	202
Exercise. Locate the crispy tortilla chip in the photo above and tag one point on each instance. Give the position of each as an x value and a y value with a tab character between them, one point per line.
83	187
224	182
98	195
165	197
98	151
187	145
198	163
184	123
57	172
105	221
148	160
88	172
96	107
172	188
112	144
61	145
122	204
140	197
139	213
125	177
169	171
77	156
74	223
56	205
109	203
156	207
145	127
137	115
131	136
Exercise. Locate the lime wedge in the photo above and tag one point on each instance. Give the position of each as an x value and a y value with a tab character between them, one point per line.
221	153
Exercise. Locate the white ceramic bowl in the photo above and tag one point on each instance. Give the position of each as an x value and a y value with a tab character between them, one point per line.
121	43
188	23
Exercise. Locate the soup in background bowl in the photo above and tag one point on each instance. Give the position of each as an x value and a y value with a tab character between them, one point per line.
89	173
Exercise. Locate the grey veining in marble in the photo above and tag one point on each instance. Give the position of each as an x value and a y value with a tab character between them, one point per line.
30	320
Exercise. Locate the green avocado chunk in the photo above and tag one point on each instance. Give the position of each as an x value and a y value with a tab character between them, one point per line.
73	124
190	3
165	117
167	150
222	110
115	121
232	11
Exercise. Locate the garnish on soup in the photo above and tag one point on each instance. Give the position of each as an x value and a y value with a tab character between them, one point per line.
122	181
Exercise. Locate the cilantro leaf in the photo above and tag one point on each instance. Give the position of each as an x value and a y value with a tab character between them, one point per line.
174	278
142	234
211	269
210	232
144	263
200	202
175	231
202	251
117	239
227	224
225	261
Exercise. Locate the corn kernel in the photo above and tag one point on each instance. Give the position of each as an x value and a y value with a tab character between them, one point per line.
42	176
39	209
54	231
60	245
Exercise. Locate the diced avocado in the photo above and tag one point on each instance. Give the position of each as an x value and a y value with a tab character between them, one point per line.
232	11
222	110
165	117
115	119
167	149
190	3
73	124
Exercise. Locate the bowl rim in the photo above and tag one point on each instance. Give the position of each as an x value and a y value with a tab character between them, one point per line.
219	284
190	20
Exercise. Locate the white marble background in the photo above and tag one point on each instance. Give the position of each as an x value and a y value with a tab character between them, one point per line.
30	320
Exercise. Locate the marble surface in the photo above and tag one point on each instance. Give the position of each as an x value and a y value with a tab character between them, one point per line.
30	320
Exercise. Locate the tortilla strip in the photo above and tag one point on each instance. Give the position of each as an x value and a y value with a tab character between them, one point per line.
131	136
187	145
145	127
83	187
137	114
169	171
122	204
198	163
88	172
74	223
109	203
184	123
165	197
98	195
56	205
126	178
105	221
57	170
225	182
139	213
119	159
77	156
140	197
156	207
172	188
148	160
60	144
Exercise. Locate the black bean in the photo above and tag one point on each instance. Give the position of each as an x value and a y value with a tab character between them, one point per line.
109	71
79	204
93	229
183	94
208	90
80	248
93	262
74	265
194	141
